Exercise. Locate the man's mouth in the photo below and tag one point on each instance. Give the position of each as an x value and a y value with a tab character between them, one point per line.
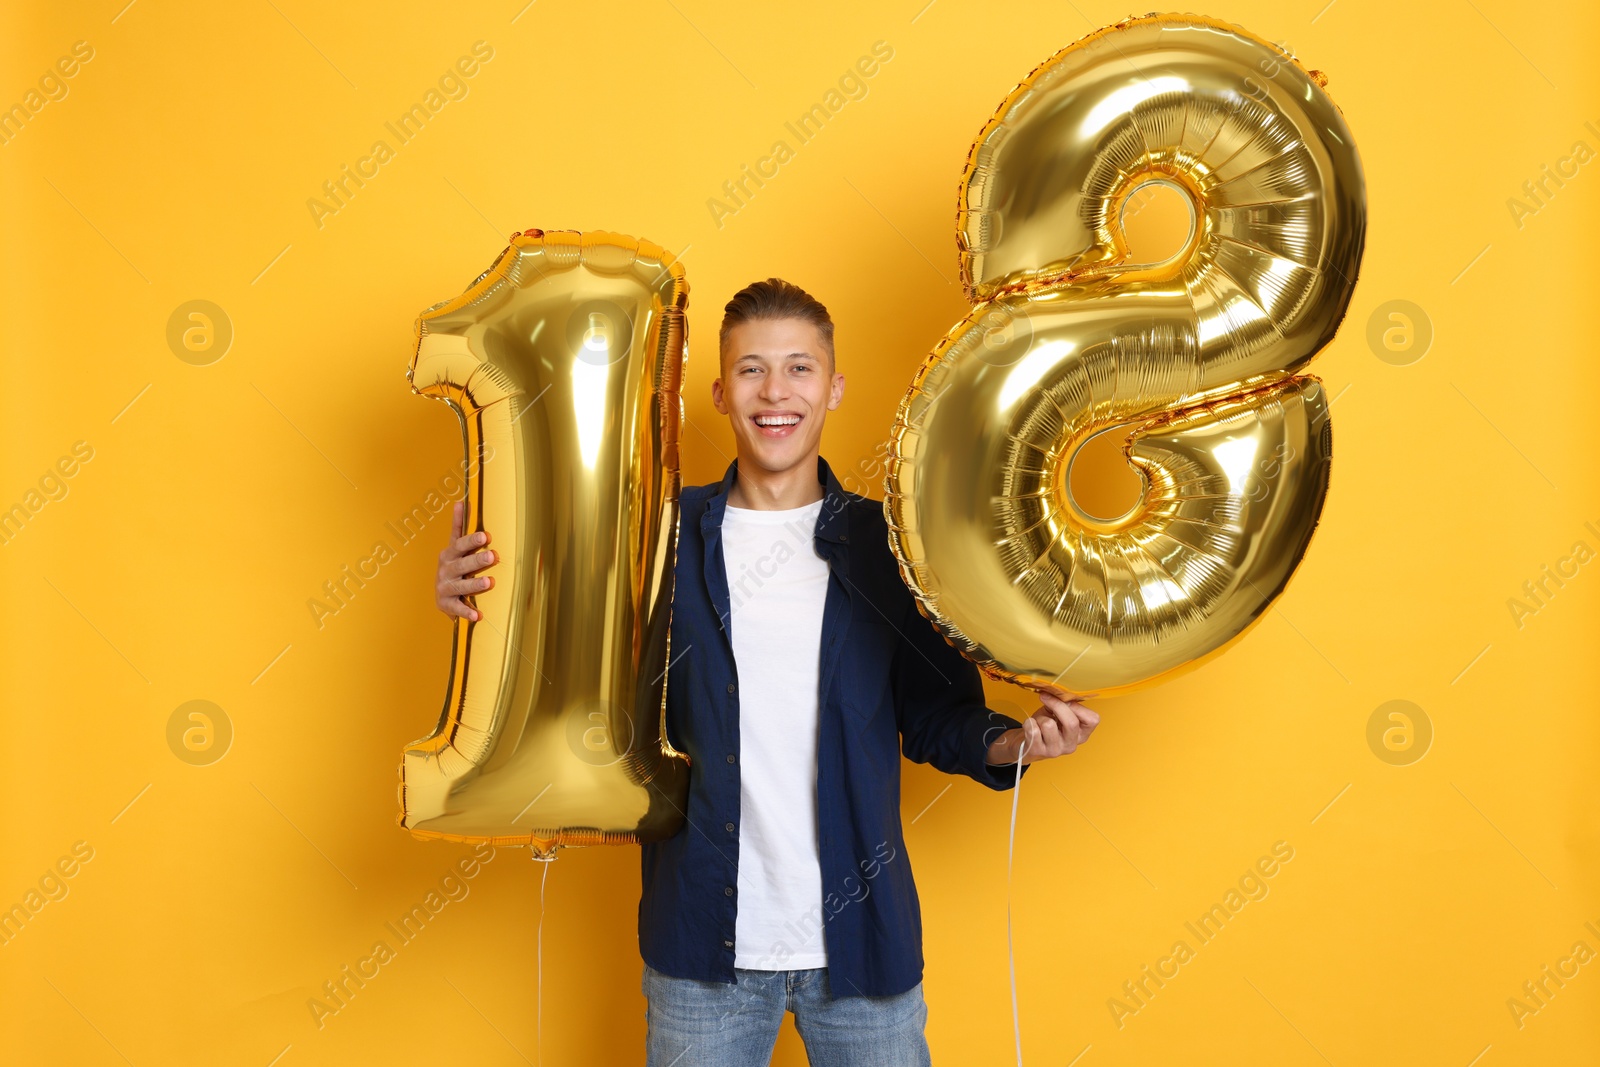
776	424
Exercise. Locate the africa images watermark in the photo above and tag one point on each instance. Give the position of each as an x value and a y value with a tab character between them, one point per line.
809	931
341	989
1537	193
52	87
1537	993
52	487
1252	885
340	591
1538	592
451	85
752	576
869	471
852	85
53	886
795	537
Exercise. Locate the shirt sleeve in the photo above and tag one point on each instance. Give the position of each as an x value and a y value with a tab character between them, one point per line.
940	710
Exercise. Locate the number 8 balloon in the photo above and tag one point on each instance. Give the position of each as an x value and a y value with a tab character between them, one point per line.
1069	337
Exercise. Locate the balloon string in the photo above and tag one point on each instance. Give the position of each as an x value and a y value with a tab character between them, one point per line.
539	966
1011	958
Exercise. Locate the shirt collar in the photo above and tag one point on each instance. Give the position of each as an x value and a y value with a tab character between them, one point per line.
832	522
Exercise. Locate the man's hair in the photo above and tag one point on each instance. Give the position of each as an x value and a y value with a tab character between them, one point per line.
776	299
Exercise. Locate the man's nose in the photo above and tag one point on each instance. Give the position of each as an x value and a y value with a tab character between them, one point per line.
775	387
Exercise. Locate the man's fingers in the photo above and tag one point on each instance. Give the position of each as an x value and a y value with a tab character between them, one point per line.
1059	726
465	586
1087	719
1074	728
1052	701
462	545
1073	716
1060	738
458	561
1030	737
472	564
1061	714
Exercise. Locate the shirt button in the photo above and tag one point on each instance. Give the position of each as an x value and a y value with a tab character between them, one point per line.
728	944
728	826
844	537
730	687
730	757
727	891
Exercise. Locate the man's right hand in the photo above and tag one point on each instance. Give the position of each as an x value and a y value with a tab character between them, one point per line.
458	563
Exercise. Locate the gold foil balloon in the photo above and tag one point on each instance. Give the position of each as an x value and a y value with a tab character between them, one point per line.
563	362
1069	336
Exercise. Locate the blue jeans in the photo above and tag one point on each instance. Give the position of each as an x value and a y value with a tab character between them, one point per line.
713	1024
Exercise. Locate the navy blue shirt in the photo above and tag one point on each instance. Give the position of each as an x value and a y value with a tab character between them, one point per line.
889	683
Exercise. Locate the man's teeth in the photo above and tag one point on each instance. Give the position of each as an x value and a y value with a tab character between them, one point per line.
777	420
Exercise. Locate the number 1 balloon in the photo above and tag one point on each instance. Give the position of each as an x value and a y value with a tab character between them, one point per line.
1068	337
563	362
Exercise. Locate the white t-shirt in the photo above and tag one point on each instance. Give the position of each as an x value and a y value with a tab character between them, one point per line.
776	587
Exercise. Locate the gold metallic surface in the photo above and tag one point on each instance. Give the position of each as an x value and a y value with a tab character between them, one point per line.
1068	337
563	362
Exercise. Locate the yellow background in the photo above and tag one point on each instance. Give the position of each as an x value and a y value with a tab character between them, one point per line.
219	499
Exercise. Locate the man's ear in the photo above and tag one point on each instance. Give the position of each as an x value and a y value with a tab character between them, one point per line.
718	401
837	393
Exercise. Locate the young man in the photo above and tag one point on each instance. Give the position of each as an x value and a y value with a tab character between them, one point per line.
801	671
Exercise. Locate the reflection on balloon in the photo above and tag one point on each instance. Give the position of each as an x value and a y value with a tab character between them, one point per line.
1074	331
563	363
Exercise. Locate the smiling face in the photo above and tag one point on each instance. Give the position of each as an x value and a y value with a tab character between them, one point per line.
777	386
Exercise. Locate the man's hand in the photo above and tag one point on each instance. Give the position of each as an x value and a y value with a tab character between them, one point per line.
459	561
1058	727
